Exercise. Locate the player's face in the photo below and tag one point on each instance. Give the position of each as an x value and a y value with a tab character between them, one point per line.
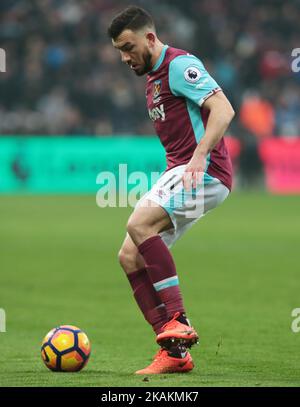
135	49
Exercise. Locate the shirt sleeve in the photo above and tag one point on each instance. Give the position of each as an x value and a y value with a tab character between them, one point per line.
188	78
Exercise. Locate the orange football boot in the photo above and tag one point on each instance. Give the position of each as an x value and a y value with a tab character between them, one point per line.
163	363
174	332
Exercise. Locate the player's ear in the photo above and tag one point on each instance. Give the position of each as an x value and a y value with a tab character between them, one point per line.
150	36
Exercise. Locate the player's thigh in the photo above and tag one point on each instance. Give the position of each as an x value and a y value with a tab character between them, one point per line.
148	218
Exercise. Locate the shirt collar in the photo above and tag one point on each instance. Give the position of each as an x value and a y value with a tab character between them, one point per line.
161	58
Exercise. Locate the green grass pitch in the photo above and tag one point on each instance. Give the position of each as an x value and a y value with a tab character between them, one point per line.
239	275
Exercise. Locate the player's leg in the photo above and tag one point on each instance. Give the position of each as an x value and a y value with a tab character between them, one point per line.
144	293
176	359
129	257
185	213
144	226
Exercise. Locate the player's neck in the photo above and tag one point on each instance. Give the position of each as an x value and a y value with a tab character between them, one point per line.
157	53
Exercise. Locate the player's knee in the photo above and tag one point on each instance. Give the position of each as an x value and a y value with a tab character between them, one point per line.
137	230
122	257
126	258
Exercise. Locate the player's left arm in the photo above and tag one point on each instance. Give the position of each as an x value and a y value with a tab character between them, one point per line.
220	115
188	78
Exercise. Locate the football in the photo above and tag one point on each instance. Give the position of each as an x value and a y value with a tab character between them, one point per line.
66	349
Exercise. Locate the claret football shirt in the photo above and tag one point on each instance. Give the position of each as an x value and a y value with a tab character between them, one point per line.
177	87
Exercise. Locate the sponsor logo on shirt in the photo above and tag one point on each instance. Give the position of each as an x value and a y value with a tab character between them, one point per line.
157	113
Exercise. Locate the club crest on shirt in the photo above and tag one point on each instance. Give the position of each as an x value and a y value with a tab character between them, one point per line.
192	74
156	91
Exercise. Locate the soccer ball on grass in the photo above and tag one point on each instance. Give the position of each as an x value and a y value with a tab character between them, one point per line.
66	349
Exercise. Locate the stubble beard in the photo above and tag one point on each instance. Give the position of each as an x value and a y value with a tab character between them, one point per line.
147	57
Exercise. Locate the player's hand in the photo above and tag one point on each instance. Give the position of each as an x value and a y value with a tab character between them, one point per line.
194	172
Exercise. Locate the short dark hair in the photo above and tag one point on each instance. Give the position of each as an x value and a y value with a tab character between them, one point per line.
132	18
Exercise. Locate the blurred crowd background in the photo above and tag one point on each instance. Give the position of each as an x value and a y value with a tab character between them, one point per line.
64	77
